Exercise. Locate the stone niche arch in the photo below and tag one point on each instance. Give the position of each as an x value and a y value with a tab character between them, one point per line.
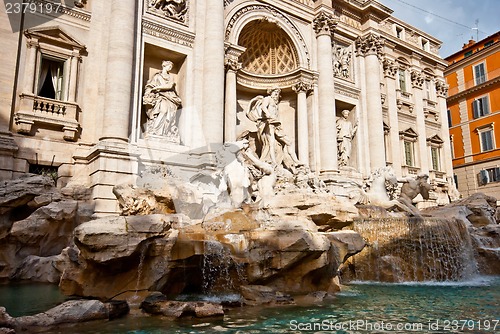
242	16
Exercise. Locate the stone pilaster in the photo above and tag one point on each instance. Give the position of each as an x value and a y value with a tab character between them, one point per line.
417	82
119	71
370	47
230	107
29	75
324	25
73	77
390	72
213	72
302	89
442	93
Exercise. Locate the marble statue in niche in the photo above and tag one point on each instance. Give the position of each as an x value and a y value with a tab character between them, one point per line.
175	9
342	62
163	103
345	134
275	146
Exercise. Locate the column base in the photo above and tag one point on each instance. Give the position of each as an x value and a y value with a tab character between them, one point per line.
109	163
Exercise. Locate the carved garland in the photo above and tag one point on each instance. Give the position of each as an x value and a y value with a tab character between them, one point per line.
275	13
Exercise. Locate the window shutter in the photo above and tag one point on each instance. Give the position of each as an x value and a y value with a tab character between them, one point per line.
483	177
485	106
475	107
497	174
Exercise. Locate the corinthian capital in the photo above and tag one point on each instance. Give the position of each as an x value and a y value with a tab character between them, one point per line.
390	68
417	79
441	89
232	64
370	44
324	24
302	86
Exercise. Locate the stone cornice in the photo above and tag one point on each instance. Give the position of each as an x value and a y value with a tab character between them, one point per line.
282	81
153	28
70	11
473	89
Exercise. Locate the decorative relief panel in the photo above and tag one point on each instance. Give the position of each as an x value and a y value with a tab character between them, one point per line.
172	9
342	62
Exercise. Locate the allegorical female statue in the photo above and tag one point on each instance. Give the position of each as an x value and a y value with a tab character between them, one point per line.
160	94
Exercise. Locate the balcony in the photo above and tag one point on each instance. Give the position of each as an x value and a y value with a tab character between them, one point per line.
45	112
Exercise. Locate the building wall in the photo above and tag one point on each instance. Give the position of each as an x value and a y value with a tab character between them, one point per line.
470	160
112	48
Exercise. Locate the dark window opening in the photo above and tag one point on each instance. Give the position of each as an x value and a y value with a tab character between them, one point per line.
51	171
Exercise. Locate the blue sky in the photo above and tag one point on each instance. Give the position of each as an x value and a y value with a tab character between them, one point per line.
436	15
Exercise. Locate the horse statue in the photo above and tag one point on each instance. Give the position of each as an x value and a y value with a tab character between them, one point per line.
382	188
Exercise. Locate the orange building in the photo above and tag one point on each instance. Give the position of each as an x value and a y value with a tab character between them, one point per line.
473	76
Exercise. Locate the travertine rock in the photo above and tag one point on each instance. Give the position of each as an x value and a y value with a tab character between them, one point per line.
157	303
72	311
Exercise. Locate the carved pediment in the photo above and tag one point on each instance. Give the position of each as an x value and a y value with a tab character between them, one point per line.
408	134
54	35
435	140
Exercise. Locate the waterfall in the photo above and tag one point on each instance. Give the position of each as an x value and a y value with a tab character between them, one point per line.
413	249
216	267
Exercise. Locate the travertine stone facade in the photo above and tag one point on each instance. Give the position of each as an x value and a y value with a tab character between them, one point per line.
73	85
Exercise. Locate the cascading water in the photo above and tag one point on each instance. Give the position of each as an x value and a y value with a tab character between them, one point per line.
413	249
216	267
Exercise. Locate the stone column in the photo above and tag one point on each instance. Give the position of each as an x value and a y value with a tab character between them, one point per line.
442	92
390	72
324	25
230	103
302	88
417	82
213	72
29	75
119	71
73	78
370	47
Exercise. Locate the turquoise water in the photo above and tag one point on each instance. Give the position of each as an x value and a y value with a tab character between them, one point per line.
468	307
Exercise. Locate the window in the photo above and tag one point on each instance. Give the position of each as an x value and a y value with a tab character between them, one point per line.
489	175
428	90
486	139
455	178
468	54
435	158
480	107
49	87
47	170
402	80
409	153
452	147
450	123
488	44
51	79
479	74
435	143
425	44
399	32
